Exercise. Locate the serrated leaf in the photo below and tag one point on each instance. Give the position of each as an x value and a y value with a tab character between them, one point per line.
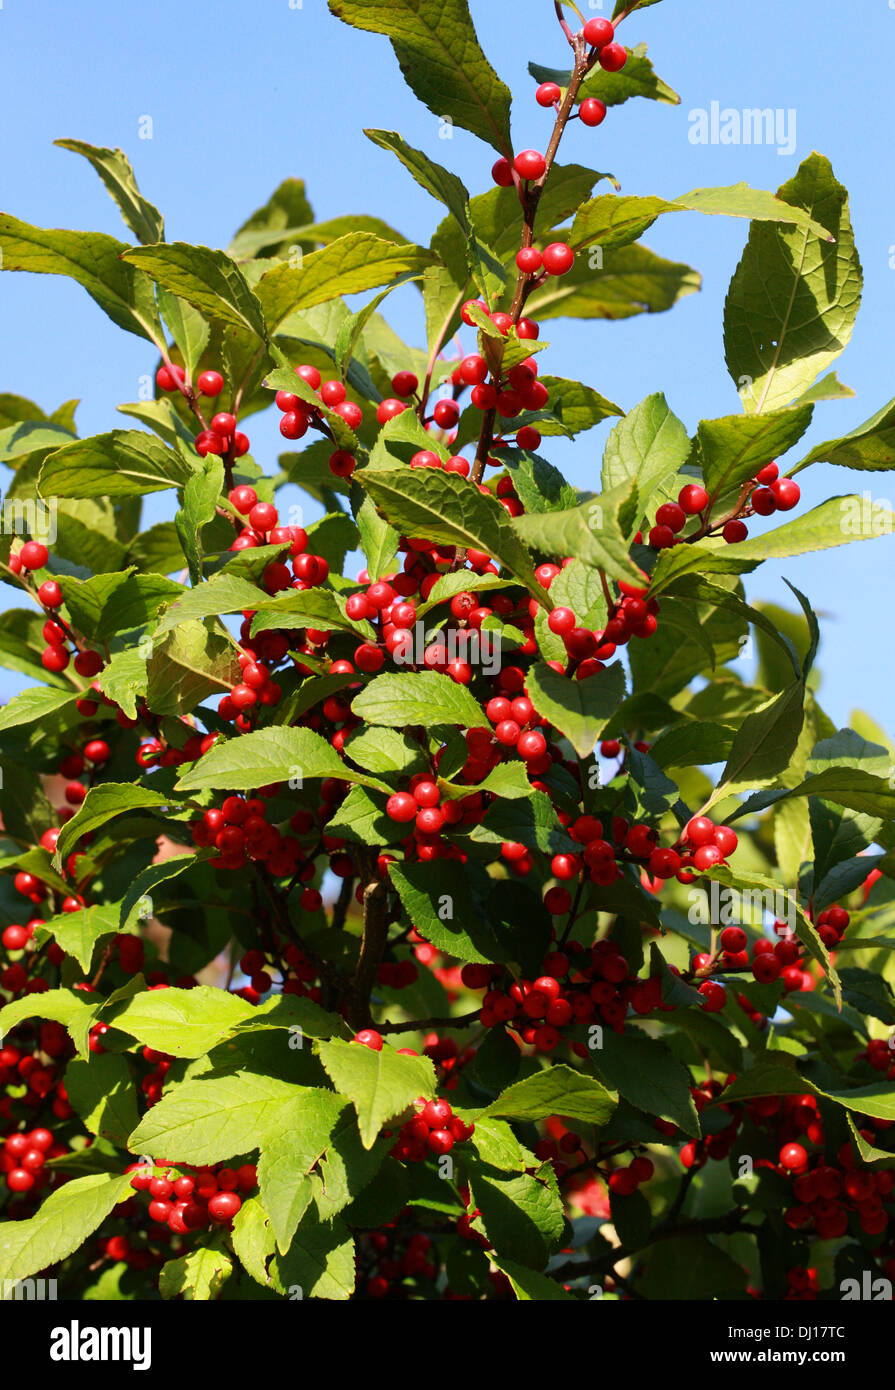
114	168
559	1090
269	755
439	54
112	465
209	280
380	1085
591	533
446	508
424	698
213	1117
64	1222
578	709
351	263
101	803
103	1093
793	300
94	261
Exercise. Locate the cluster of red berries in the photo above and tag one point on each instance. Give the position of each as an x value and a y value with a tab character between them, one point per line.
190	1199
826	1194
578	984
297	415
434	1129
221	437
766	493
23	1156
449	1059
385	1258
634	615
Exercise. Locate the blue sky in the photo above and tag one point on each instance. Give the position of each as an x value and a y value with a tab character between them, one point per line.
241	96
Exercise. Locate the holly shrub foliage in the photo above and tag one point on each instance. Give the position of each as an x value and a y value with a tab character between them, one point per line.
383	934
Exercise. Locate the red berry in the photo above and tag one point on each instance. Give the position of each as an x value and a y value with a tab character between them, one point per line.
50	594
529	260
613	57
558	258
793	1156
210	384
592	111
530	164
33	555
693	498
599	32
368	1037
548	93
502	173
786	493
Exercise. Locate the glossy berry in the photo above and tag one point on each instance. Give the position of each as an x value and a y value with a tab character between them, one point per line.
210	384
502	173
530	164
33	555
368	1037
592	111
613	57
529	260
693	498
548	93
558	258
599	32
787	493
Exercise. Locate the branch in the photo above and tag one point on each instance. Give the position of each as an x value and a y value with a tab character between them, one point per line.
419	1024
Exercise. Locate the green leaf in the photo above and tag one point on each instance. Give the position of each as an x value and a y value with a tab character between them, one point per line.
209	280
94	260
78	932
766	740
197	1276
184	1022
380	1085
108	604
34	706
631	280
315	608
355	262
223	593
529	1286
558	1090
439	54
578	709
521	1213
869	993
114	168
187	665
266	756
646	1074
66	1006
793	300
533	823
101	803
103	1092
424	698
573	407
320	1263
649	446
869	446
691	1267
112	465
448	509
213	1117
733	449
435	179
591	532
636	79
379	540
441	904
64	1222
384	750
200	499
293	1144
